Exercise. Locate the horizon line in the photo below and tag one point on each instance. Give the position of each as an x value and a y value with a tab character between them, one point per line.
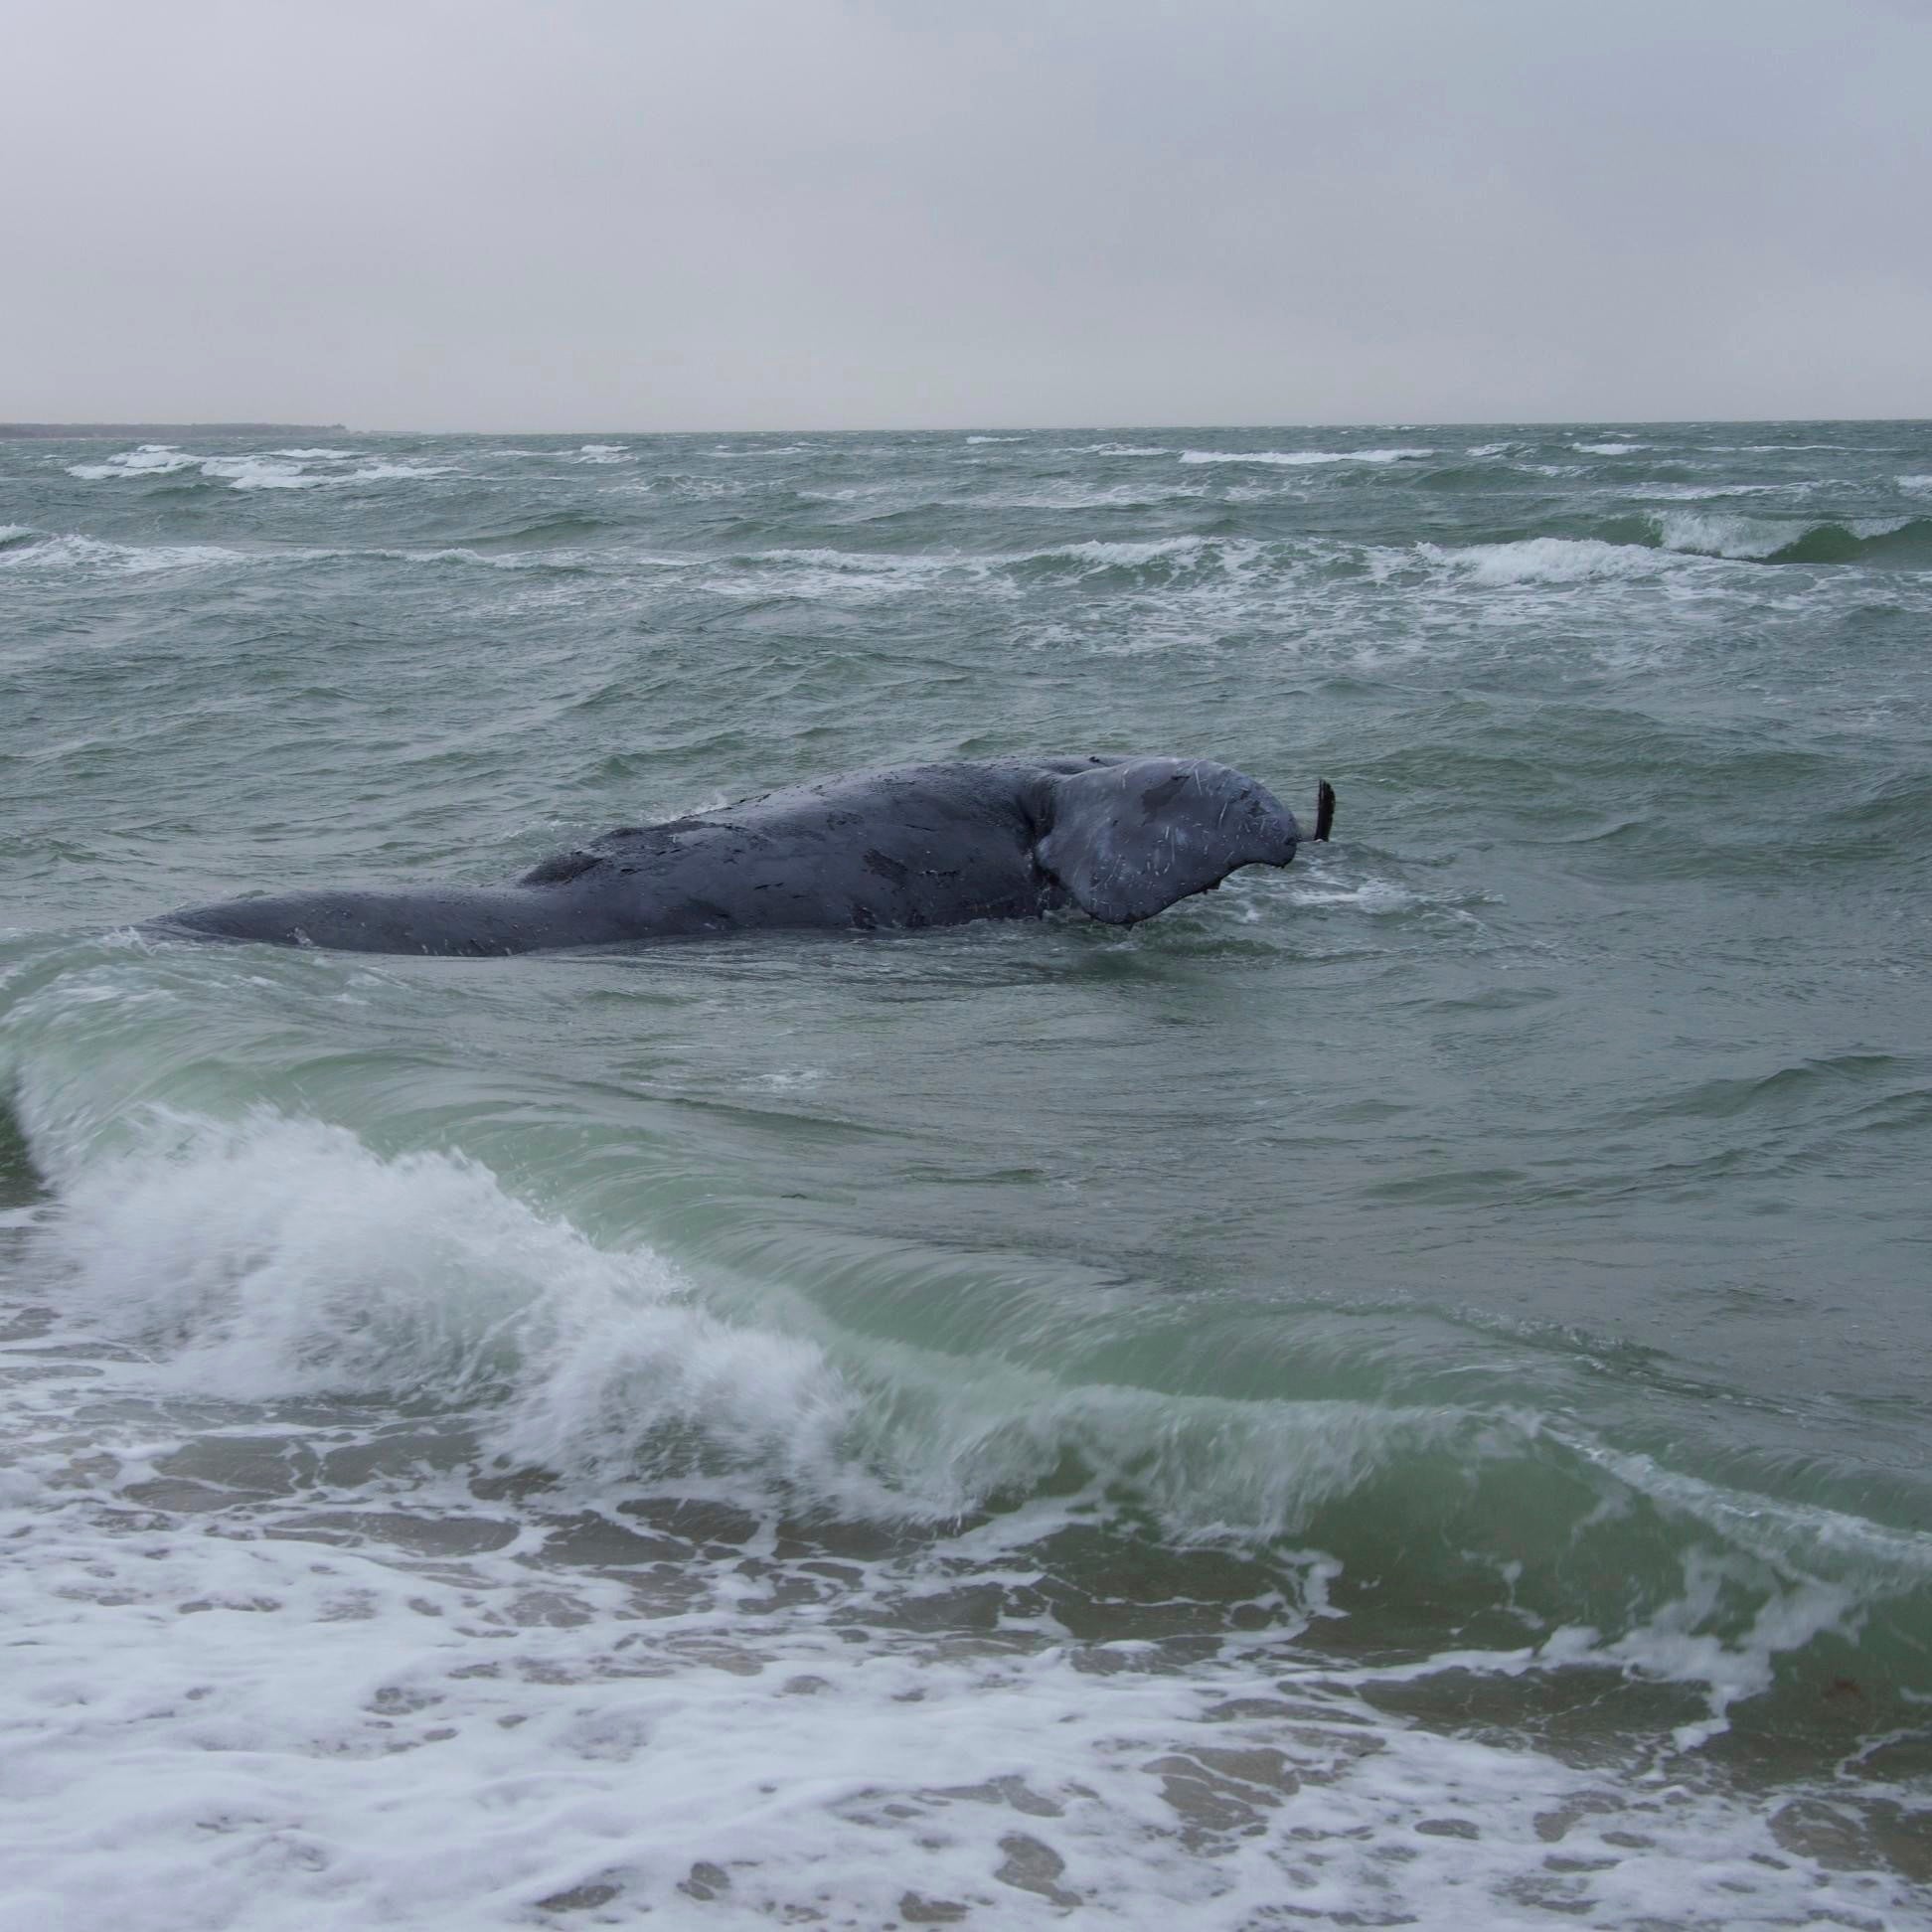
54	430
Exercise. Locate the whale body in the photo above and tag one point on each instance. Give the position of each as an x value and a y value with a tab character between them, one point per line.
906	846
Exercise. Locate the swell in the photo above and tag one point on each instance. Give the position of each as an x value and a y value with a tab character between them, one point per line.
1640	545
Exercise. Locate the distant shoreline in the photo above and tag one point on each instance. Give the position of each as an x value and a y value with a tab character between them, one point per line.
80	431
171	431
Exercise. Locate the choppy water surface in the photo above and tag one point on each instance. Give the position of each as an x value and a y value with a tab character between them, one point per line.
1396	1392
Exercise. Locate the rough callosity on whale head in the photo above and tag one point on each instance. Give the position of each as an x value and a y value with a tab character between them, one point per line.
902	846
1127	840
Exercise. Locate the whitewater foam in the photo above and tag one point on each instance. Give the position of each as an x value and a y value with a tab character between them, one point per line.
1139	495
212	1693
224	1714
1546	560
236	1256
93	557
1714	536
1107	554
1303	458
816	573
260	473
151	459
1375	896
399	472
280	469
269	1734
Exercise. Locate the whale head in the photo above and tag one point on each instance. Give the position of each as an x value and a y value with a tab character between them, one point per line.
1128	840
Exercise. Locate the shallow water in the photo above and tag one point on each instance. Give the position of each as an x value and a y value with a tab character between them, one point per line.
1396	1392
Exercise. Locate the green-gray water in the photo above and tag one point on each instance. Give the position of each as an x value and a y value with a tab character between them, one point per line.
1399	1388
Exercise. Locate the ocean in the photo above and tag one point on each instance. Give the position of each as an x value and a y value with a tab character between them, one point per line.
1395	1393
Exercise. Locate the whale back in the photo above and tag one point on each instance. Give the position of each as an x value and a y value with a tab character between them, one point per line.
1127	840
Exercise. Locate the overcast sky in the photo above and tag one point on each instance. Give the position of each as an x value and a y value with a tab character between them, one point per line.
795	214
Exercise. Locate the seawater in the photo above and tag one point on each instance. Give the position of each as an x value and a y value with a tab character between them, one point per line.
1395	1393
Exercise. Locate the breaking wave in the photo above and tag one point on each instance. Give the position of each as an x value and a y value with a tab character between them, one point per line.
1645	547
1546	560
281	469
277	1258
1903	542
151	459
1303	458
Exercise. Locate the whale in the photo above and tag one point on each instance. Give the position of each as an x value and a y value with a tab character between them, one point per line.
1119	837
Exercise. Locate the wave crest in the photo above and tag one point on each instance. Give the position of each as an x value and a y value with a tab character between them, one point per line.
281	1258
1303	458
277	469
1546	560
1896	541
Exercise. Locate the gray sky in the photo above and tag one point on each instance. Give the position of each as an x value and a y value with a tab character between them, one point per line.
797	214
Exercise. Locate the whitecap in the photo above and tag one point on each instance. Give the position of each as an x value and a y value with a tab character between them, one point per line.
859	561
1609	449
1746	537
1548	559
1710	536
546	559
400	472
1687	492
1300	458
833	574
92	555
151	459
258	473
1110	554
1143	494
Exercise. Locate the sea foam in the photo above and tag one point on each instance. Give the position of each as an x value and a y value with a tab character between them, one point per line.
280	470
1548	559
151	459
1303	458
